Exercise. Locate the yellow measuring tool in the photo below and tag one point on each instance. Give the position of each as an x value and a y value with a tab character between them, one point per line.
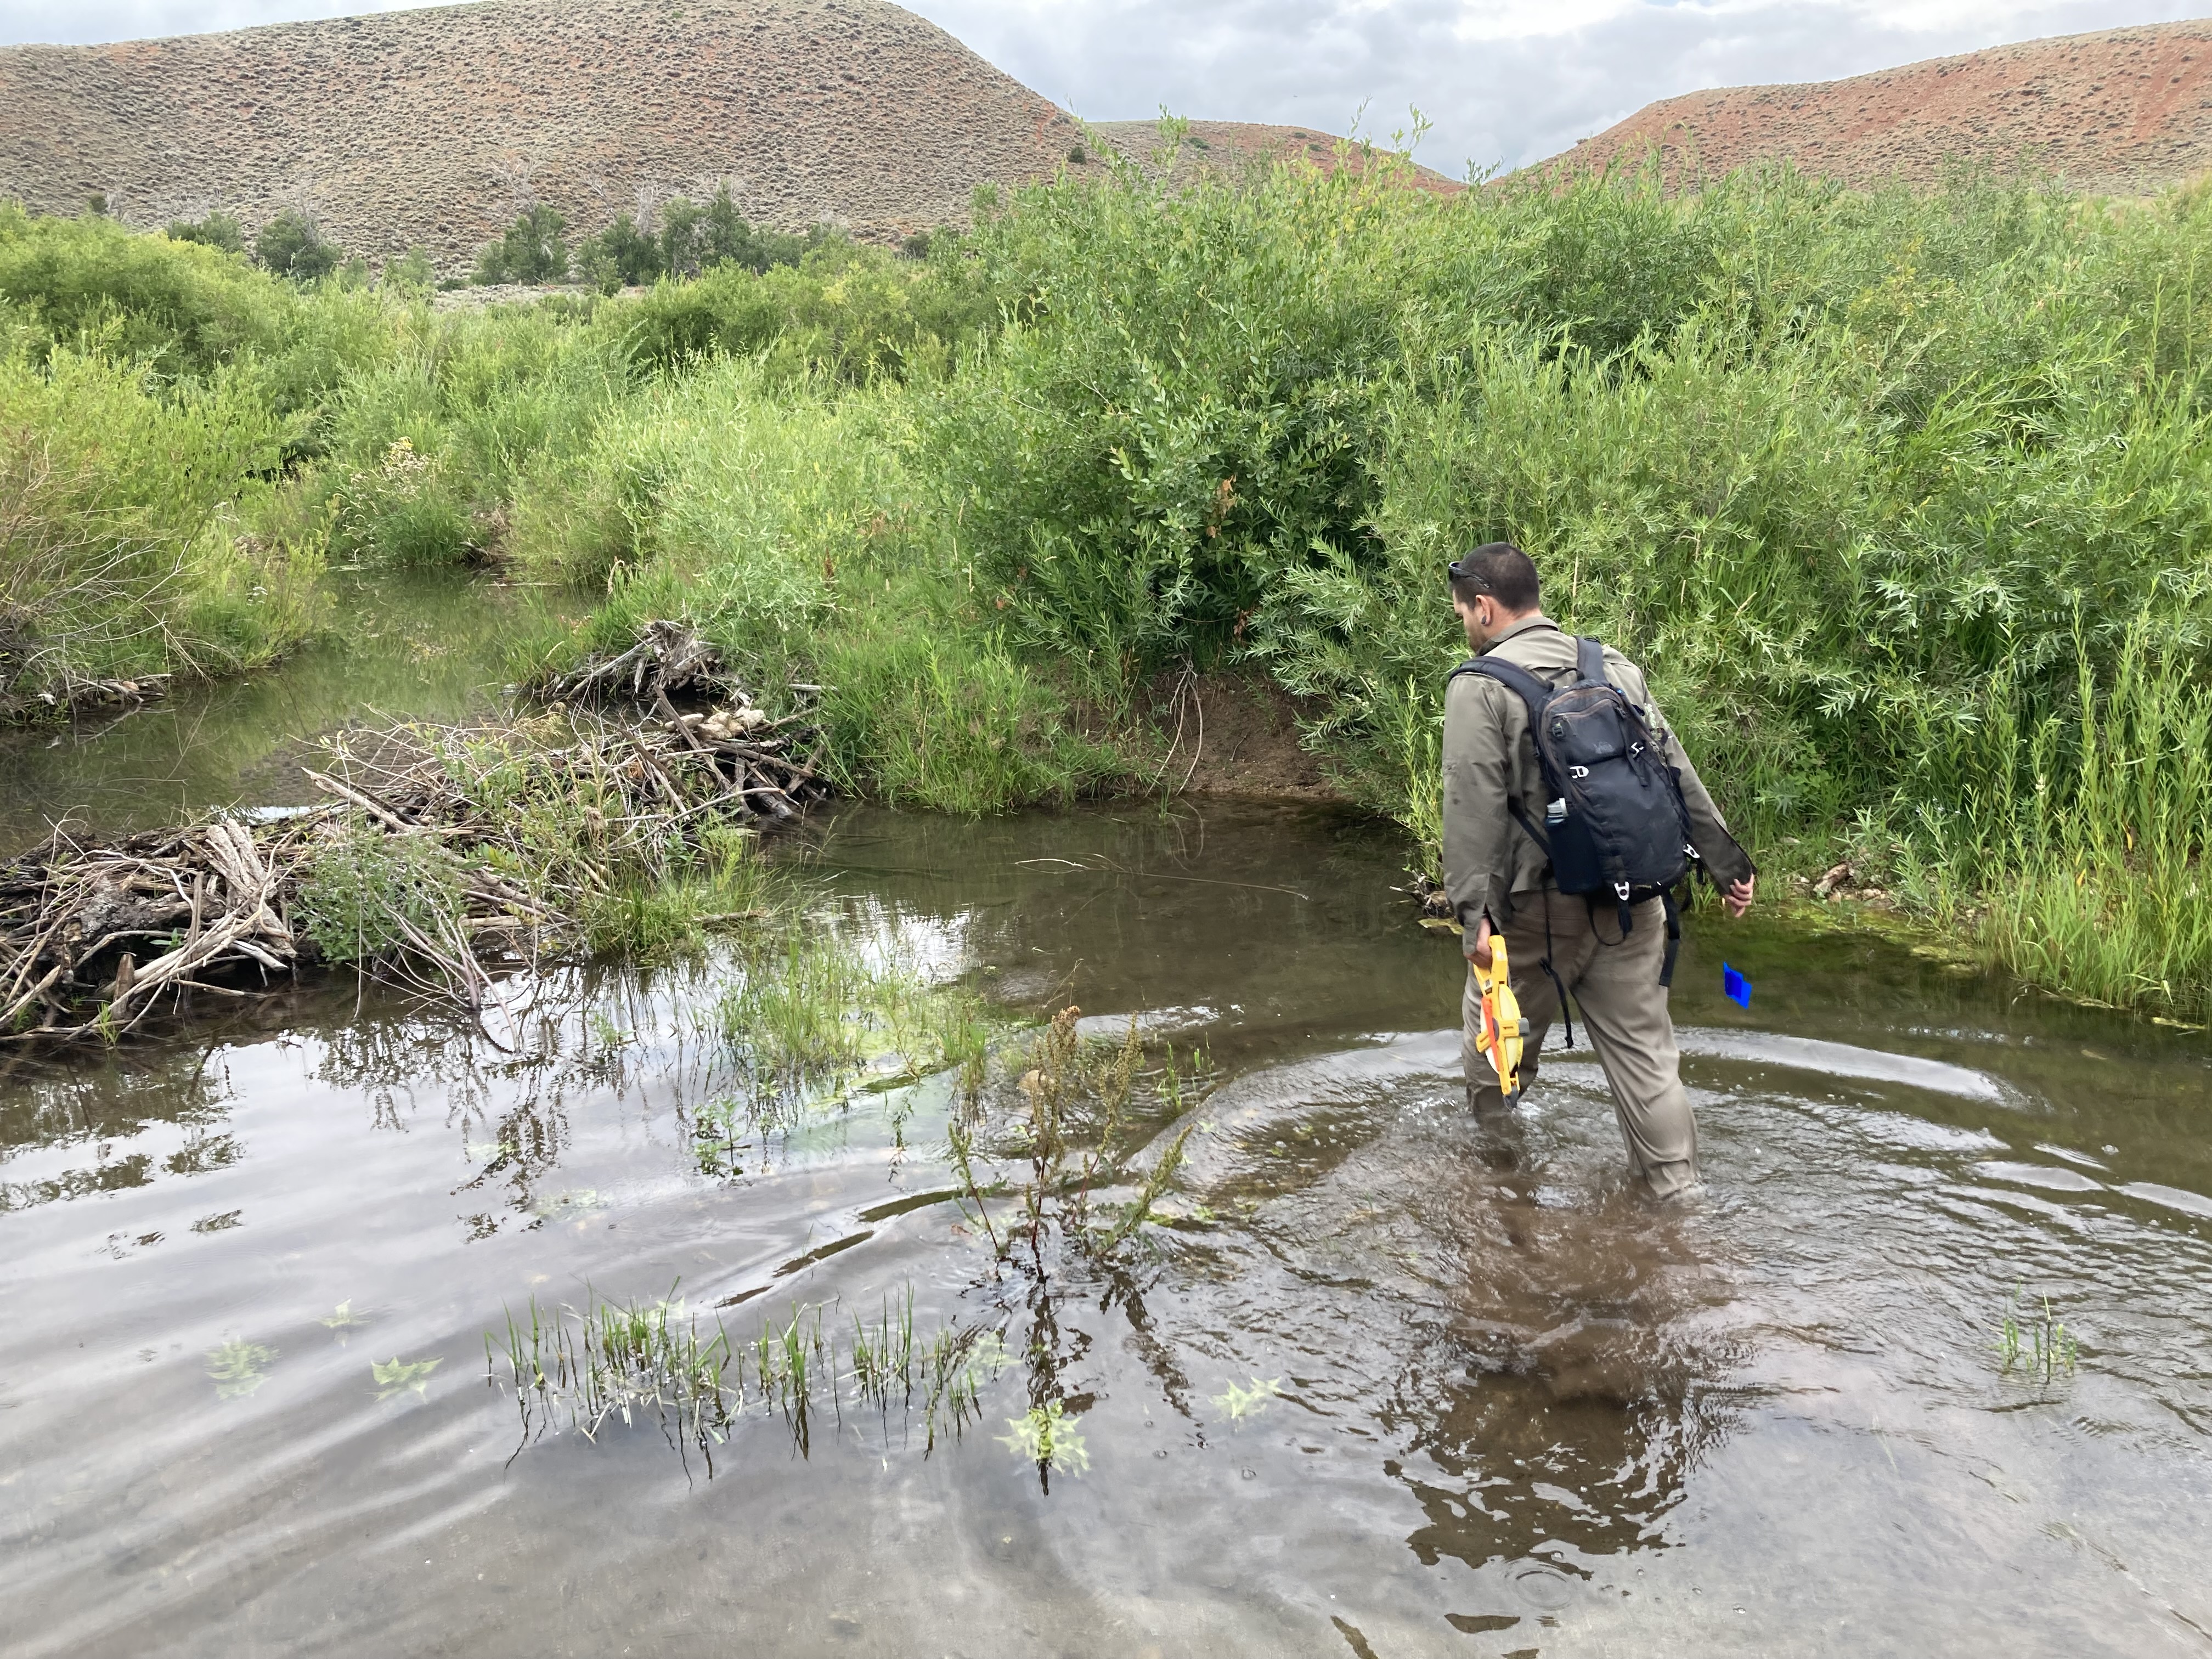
1499	1033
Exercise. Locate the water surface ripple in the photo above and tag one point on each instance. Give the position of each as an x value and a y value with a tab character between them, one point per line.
1519	1411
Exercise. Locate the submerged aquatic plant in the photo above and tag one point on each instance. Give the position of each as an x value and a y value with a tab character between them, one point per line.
343	1317
238	1367
1048	1438
1241	1403
398	1376
564	1207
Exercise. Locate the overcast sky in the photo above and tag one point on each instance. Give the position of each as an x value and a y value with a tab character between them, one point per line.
1506	81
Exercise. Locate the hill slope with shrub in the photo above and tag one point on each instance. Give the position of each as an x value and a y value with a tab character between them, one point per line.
2117	111
435	127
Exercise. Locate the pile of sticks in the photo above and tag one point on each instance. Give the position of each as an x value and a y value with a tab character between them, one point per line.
193	905
95	939
670	659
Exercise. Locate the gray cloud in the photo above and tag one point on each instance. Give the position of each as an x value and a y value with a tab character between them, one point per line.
1506	81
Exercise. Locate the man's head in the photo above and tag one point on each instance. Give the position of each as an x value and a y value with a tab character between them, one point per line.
1492	588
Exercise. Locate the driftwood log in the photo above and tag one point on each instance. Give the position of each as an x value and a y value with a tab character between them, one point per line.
95	939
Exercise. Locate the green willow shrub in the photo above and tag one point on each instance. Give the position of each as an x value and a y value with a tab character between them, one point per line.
695	238
218	230
185	308
532	250
857	311
291	245
477	400
620	256
142	530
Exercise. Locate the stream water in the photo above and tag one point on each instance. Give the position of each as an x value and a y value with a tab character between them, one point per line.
1519	1412
426	646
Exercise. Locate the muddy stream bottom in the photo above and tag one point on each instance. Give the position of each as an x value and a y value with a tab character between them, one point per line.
1516	1409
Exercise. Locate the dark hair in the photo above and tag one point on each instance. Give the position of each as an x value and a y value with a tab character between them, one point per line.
1501	570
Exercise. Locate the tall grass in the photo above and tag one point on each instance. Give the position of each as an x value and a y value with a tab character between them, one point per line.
792	520
2110	897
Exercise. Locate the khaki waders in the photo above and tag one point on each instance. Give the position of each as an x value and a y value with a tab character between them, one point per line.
1615	986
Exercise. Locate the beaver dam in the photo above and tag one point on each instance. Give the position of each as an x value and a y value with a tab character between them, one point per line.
445	857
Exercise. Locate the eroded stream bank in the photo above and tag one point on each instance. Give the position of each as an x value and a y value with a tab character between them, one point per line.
1517	1411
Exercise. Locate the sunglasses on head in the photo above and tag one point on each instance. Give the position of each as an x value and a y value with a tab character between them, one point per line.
1461	572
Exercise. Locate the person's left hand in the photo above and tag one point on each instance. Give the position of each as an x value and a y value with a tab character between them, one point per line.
1736	896
1478	945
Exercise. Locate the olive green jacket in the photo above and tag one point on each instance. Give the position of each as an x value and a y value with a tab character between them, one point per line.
1490	762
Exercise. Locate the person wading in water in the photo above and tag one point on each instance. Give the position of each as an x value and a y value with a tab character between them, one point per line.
1569	848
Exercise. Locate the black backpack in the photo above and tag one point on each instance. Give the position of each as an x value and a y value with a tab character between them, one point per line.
1615	826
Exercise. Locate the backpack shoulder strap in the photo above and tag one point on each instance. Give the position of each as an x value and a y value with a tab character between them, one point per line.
1589	663
1534	693
1515	678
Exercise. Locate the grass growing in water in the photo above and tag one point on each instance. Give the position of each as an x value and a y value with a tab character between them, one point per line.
2037	1344
583	1368
1076	1097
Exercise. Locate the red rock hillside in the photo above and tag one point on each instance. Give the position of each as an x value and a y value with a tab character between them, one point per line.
2119	111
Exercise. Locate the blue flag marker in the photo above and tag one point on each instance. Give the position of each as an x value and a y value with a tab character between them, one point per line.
1737	987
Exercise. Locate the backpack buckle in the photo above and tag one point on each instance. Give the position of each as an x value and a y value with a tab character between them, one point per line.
1621	890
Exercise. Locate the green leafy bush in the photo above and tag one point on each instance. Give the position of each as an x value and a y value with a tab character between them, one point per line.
218	230
695	239
291	246
143	529
411	274
857	311
365	896
427	443
621	256
185	307
533	250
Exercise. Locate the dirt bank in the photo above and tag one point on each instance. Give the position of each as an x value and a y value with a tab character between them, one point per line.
1237	733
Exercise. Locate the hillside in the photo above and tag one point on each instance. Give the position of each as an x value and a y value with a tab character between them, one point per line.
434	127
2118	112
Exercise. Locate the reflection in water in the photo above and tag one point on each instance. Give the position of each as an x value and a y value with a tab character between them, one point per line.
510	1114
413	644
101	1122
1587	1390
1511	1407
